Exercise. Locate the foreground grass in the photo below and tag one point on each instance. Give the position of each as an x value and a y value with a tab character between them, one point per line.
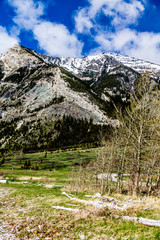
26	203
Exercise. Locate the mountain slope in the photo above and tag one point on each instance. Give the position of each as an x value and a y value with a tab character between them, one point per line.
111	76
42	97
30	85
35	96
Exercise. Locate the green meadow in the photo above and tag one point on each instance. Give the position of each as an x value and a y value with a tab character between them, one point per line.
35	186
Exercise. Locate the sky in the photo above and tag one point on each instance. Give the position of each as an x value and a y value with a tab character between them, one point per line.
77	28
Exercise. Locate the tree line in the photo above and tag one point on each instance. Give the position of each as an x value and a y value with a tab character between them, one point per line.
49	134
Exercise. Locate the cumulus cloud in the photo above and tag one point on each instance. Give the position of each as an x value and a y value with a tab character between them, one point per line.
6	40
83	23
121	13
116	41
147	47
56	40
27	12
119	33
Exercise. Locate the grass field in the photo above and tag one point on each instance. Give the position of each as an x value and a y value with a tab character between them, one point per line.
28	197
48	160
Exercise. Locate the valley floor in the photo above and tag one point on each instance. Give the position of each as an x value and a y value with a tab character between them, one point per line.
46	204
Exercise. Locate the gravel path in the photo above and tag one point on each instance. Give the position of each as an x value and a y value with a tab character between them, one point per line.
5	229
5	233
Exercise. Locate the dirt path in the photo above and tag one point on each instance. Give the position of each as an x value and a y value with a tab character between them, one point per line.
5	229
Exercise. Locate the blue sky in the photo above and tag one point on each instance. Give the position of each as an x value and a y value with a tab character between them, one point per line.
77	28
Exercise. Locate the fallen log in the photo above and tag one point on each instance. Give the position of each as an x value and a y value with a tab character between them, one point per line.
98	204
112	205
144	221
68	209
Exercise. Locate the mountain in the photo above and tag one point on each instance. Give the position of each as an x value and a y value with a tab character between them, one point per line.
31	85
111	76
49	102
35	96
92	67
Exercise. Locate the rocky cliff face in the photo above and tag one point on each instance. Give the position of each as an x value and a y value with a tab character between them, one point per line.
30	88
18	57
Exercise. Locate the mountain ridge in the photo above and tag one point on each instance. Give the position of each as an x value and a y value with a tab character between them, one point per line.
76	64
40	92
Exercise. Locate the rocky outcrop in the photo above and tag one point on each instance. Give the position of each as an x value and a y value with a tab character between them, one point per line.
18	57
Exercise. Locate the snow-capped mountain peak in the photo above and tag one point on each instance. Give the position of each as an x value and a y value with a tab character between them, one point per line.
92	67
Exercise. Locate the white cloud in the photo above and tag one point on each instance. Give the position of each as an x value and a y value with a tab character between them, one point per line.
123	13
83	23
144	45
27	13
120	12
56	40
6	40
147	47
116	35
14	31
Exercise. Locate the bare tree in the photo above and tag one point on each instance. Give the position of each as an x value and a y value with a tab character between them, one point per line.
134	147
140	130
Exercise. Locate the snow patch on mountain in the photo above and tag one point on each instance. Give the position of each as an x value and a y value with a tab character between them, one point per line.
138	65
92	67
1	56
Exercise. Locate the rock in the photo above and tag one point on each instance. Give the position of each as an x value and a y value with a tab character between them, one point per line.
3	181
67	209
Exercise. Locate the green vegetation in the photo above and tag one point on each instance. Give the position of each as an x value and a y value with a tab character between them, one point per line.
12	78
68	74
109	81
94	94
115	84
52	134
76	85
47	160
133	151
1	75
74	82
27	201
18	76
41	159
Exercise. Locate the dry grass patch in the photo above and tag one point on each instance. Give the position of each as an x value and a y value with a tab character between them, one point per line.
42	179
